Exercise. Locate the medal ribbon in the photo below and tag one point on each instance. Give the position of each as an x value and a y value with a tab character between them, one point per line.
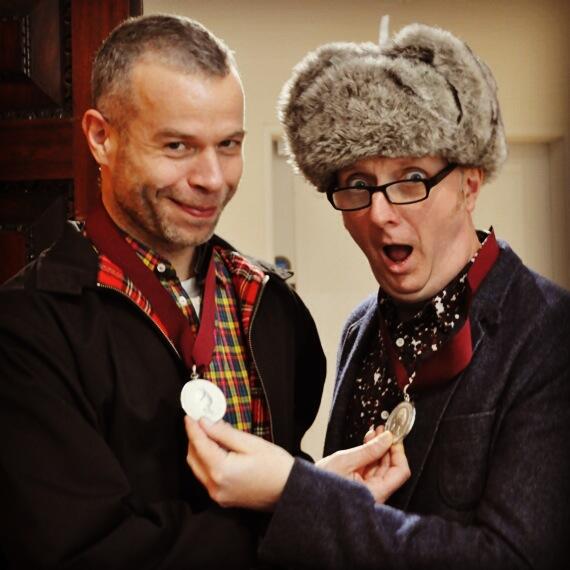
454	355
196	350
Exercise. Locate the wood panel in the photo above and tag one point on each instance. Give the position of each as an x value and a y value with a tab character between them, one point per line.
32	60
85	41
46	171
39	149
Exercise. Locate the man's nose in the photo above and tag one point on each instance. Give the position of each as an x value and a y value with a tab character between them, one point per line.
206	171
383	212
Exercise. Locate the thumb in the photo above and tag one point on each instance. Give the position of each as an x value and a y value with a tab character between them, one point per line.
228	437
371	451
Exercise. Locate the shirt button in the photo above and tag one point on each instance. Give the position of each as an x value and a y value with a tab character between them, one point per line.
161	268
399	342
182	300
384	415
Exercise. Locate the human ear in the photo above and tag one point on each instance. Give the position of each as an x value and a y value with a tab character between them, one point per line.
472	182
97	131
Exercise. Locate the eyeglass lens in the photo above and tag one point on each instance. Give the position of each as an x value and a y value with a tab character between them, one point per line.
398	193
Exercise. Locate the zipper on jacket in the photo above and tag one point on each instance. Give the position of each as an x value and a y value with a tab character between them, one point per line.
250	343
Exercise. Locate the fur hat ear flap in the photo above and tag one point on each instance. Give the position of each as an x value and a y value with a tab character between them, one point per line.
423	94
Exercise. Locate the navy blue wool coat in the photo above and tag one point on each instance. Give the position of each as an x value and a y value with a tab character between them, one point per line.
489	452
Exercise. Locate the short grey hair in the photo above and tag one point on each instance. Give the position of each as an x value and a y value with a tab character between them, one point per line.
175	40
425	93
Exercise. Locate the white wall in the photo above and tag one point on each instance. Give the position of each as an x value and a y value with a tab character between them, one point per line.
525	42
527	45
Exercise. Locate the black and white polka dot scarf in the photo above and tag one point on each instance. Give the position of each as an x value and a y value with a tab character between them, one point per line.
376	391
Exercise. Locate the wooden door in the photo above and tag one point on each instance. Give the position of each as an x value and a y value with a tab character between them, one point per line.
46	171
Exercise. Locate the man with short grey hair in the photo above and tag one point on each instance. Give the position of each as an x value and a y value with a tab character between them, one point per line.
141	310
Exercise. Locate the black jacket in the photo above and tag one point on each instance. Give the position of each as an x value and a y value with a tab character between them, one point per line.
93	469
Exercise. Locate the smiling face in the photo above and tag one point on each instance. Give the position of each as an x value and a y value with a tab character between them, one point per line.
173	164
414	250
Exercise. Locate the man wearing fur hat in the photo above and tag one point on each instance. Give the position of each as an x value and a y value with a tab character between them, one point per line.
461	335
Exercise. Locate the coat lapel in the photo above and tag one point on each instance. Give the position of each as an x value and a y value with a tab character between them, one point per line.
357	338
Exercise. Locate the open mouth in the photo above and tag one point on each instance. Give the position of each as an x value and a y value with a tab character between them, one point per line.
398	252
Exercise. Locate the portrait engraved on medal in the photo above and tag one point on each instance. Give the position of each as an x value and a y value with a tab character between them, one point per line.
401	420
200	398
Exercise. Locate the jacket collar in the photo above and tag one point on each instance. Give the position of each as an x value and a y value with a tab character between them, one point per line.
487	306
71	264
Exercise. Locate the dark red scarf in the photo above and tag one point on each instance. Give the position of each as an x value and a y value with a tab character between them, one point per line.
195	350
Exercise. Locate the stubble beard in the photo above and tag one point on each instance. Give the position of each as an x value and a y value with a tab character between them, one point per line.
149	217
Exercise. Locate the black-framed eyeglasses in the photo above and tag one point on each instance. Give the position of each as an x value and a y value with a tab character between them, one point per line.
350	198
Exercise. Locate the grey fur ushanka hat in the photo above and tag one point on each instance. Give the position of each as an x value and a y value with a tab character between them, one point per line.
425	93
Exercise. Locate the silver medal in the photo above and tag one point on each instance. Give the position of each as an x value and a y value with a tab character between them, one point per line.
401	420
200	398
